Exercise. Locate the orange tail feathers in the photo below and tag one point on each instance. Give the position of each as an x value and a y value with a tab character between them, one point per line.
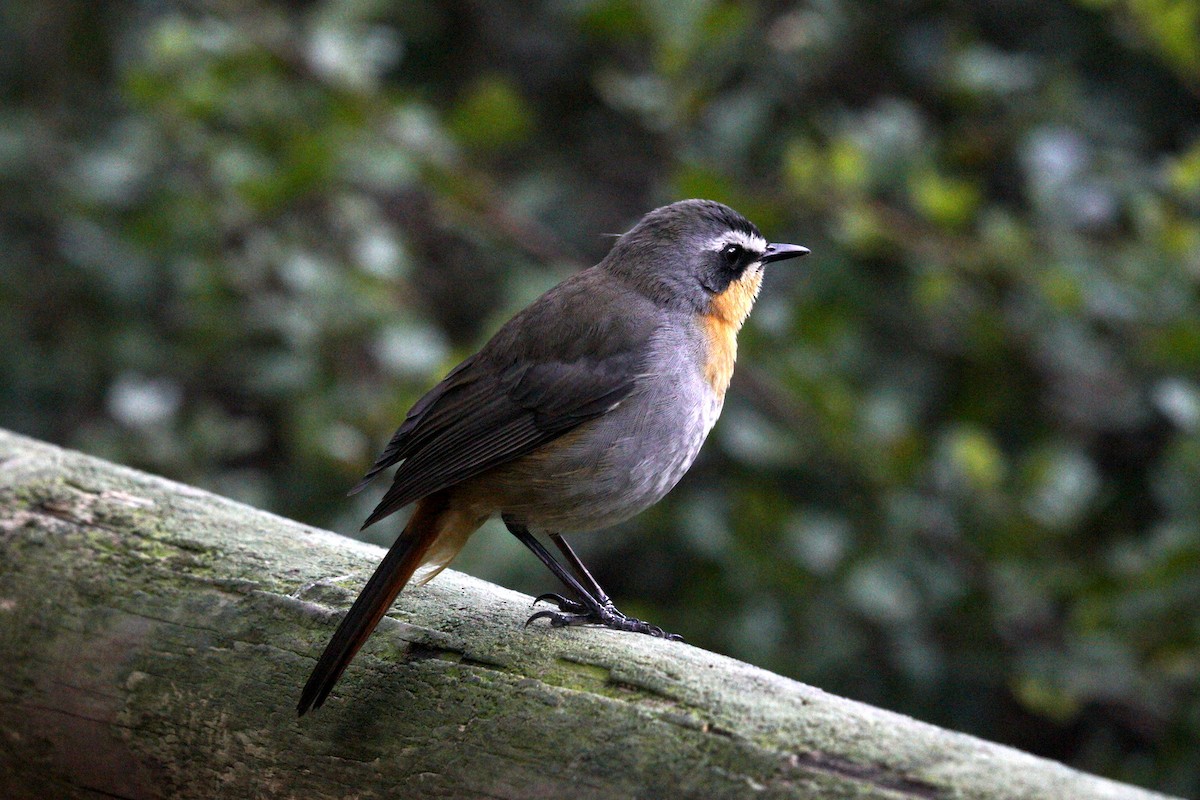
392	574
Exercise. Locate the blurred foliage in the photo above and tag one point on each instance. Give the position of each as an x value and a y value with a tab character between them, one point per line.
958	476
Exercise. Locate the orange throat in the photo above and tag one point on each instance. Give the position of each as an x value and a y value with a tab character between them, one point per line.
726	313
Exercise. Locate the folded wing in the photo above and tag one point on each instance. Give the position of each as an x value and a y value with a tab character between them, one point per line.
539	377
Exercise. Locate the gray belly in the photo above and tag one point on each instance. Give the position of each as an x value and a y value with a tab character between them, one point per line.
612	467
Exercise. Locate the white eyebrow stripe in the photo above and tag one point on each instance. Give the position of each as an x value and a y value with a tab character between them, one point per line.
753	243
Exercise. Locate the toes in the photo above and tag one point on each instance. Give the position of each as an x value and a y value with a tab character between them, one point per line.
578	614
550	615
560	620
563	603
637	626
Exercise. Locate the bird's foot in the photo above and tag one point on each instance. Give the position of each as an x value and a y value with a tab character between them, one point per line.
563	603
572	612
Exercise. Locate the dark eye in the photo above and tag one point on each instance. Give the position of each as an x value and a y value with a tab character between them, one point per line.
732	253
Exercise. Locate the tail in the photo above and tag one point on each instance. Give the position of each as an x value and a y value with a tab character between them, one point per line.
392	574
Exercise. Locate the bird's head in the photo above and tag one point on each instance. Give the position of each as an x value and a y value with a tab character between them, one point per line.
698	255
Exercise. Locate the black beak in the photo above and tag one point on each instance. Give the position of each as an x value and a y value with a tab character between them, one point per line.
779	252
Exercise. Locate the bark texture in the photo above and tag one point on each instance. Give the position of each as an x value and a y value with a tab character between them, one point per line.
154	638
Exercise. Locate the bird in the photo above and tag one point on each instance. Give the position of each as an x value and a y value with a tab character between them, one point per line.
583	410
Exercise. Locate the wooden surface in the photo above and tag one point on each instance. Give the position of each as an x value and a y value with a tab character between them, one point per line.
154	638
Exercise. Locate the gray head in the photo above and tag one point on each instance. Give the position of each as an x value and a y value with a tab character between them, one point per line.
690	253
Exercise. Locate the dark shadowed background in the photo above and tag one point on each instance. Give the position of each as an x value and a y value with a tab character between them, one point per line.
958	472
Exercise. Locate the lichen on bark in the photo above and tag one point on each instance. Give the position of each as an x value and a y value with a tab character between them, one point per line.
153	639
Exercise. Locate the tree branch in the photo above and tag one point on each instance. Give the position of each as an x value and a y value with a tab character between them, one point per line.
153	639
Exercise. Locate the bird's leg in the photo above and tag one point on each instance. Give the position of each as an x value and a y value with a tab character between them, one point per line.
585	577
538	549
590	609
580	569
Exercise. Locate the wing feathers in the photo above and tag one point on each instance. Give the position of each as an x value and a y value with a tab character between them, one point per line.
453	460
523	389
403	440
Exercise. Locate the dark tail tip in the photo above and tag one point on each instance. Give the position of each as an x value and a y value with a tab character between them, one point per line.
311	698
329	669
372	603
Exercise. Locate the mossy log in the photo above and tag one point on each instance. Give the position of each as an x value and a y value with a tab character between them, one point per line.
154	637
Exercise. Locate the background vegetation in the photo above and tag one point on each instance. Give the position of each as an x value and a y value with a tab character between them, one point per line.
958	473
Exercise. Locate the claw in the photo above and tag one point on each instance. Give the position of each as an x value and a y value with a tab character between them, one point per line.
606	615
563	603
637	626
541	615
560	620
